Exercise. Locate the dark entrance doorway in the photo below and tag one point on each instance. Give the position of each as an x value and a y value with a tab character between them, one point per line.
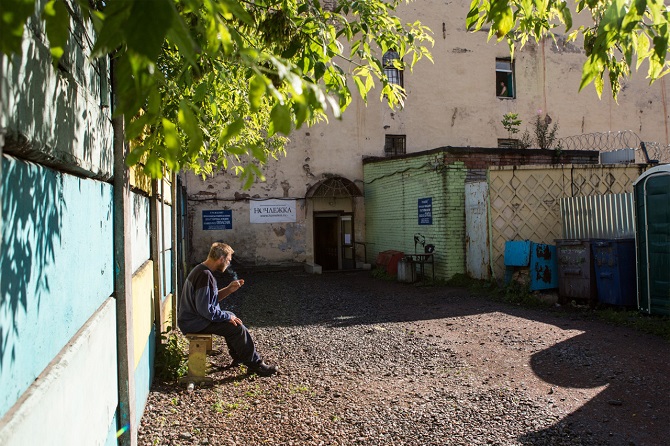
325	242
333	203
333	241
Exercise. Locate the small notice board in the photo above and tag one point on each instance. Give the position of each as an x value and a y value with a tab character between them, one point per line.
425	211
217	220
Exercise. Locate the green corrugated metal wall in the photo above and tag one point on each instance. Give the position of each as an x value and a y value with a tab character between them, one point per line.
392	191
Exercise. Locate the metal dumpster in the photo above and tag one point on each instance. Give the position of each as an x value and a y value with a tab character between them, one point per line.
576	274
614	261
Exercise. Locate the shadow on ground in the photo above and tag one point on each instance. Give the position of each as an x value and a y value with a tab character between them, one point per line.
632	410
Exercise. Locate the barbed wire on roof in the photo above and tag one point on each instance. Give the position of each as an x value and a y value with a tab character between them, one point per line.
611	141
658	151
602	141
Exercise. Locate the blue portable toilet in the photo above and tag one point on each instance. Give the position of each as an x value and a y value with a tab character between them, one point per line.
652	239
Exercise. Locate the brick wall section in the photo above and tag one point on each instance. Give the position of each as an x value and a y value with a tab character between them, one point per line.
483	157
392	191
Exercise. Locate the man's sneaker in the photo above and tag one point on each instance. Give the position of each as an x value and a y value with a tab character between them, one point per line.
261	369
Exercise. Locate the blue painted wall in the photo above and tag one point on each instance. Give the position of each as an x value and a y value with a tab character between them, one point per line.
56	265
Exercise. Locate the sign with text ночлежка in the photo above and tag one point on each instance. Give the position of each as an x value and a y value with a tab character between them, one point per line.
272	211
217	220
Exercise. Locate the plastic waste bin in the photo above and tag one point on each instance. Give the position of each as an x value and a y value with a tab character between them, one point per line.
614	261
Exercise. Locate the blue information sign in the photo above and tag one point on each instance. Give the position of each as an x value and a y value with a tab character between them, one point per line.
425	211
217	220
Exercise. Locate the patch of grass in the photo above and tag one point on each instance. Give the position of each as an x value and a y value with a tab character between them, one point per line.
656	325
253	393
304	389
516	293
221	407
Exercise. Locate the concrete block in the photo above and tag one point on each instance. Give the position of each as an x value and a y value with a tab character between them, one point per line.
312	268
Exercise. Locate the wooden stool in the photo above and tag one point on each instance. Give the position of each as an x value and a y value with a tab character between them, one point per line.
198	347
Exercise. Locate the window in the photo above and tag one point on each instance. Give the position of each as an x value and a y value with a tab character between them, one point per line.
508	143
394	145
391	69
505	78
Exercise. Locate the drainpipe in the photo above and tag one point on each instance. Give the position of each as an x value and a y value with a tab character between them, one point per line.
175	251
123	283
156	258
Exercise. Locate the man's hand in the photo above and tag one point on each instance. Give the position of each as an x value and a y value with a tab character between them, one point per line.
236	321
230	289
235	285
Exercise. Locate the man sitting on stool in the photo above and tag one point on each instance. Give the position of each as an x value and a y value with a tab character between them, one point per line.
199	310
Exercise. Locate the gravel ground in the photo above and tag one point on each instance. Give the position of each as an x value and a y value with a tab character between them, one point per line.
369	362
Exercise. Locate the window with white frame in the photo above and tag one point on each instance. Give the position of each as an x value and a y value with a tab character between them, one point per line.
393	67
505	78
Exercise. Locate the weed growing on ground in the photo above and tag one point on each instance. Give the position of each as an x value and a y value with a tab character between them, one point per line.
380	273
171	361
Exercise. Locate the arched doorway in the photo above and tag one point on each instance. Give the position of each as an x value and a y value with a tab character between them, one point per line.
333	207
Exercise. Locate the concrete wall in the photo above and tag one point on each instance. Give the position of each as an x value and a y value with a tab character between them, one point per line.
58	315
393	189
57	273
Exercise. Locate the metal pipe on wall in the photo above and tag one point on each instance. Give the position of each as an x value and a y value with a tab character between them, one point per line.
155	256
175	257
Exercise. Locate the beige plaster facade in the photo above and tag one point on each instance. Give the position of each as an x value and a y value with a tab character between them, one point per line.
451	102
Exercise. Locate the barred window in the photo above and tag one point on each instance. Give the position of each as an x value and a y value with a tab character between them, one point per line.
394	145
394	74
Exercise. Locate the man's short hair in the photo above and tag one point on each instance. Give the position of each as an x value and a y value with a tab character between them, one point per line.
219	250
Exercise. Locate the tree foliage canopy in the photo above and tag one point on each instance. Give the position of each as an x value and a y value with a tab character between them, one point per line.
211	84
623	32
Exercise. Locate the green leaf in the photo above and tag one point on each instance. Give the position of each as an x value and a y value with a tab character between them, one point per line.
301	112
111	34
200	92
137	125
238	11
57	24
13	16
180	36
257	88
153	167
361	88
592	68
280	119
472	21
231	131
135	155
501	18
147	26
172	141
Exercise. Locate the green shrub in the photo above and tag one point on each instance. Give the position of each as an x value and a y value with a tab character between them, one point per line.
171	361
